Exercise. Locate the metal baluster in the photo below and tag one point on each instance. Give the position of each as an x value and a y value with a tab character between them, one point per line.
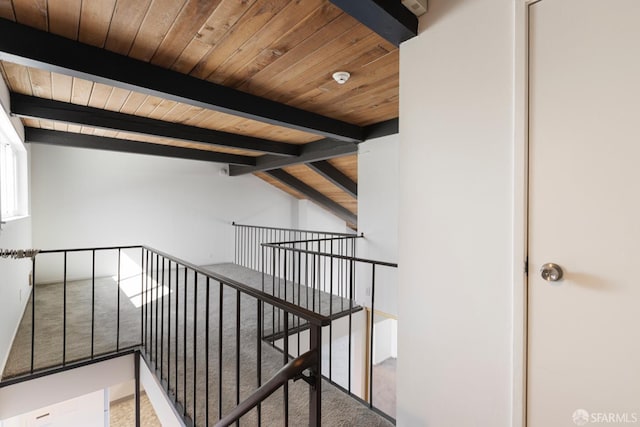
299	285
220	326
262	240
306	271
259	356
206	355
147	337
279	282
33	311
313	281
273	292
136	374
184	345
177	324
331	311
373	293
142	294
118	309
195	340
237	351
162	320
156	302
285	356
169	331
321	276
242	245
64	311
93	299
341	275
315	391
152	307
351	285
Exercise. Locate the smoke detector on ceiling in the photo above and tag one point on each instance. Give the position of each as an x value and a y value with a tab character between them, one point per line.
341	77
418	7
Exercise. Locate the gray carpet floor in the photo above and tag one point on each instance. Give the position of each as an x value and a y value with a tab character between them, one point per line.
312	299
49	325
122	413
384	386
169	352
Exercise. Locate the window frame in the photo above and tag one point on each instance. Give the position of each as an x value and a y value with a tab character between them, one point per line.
16	165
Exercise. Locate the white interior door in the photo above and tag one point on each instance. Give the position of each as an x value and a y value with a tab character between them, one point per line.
584	213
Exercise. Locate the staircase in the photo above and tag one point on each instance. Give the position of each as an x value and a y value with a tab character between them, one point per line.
213	335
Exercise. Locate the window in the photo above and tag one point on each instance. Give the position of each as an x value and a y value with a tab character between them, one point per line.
13	173
8	181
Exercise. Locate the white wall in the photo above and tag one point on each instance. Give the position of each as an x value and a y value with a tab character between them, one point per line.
455	287
378	204
385	339
162	405
15	234
122	391
378	198
83	411
313	217
88	198
14	282
11	123
31	395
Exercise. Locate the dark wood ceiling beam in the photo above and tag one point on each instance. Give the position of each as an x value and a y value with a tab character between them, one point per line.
41	108
316	151
34	48
79	140
314	195
389	18
333	174
386	128
311	152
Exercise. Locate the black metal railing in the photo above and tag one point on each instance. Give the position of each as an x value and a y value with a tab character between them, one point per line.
71	320
249	238
201	333
209	370
291	371
320	272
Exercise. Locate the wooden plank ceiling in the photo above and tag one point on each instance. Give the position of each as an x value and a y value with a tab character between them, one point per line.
281	50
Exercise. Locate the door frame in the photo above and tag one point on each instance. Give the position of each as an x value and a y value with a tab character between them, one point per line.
520	211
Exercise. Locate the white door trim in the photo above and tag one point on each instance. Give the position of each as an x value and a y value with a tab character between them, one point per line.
520	210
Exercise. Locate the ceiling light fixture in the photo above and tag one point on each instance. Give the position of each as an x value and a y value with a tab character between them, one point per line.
341	77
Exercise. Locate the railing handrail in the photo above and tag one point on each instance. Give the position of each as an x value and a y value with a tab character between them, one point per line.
102	248
310	316
327	239
335	256
262	227
290	371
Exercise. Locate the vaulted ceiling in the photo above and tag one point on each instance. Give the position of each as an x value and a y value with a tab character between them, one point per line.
242	82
